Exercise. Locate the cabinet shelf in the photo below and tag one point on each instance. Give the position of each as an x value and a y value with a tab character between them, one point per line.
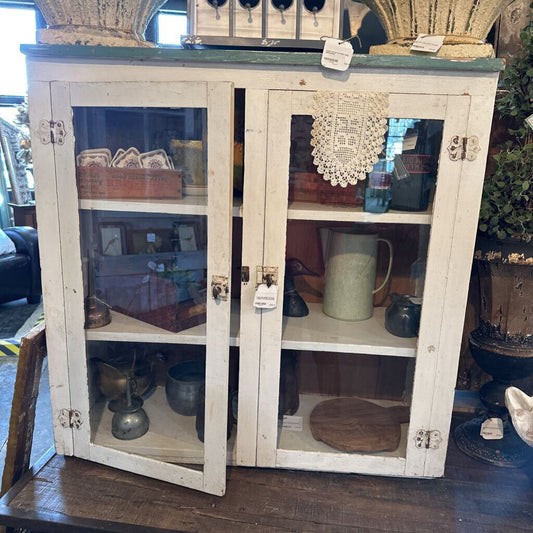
186	206
171	437
319	332
314	211
125	328
303	441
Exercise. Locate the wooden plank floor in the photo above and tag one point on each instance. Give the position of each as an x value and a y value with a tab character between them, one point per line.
471	497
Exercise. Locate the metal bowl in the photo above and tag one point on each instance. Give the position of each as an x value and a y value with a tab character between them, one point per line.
183	387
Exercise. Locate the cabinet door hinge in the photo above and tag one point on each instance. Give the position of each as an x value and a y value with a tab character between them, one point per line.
461	148
52	132
70	418
425	438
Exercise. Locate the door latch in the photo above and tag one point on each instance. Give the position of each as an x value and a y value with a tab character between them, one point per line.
266	275
220	287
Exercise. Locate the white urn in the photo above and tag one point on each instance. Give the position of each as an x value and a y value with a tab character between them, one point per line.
464	24
97	22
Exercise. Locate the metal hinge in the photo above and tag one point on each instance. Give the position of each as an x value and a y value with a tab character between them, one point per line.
461	148
70	418
428	439
52	132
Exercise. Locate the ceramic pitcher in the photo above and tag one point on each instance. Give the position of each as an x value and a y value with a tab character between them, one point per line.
350	259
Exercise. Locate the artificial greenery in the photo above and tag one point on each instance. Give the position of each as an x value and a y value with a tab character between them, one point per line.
507	202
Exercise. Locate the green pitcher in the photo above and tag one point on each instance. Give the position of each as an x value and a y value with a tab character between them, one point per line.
350	259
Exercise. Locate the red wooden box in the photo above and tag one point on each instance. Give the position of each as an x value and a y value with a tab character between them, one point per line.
312	187
129	183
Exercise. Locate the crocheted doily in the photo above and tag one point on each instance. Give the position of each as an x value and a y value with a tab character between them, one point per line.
348	134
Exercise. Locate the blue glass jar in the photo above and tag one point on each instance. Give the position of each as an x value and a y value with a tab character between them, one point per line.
378	188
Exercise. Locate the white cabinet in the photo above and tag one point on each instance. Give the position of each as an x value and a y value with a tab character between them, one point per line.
158	256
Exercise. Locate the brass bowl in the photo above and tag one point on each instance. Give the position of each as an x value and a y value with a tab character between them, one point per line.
113	380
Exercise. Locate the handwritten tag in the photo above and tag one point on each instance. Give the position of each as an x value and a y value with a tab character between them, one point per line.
337	54
293	423
529	121
266	297
427	43
492	429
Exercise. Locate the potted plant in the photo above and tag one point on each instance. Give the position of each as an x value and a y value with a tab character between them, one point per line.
502	345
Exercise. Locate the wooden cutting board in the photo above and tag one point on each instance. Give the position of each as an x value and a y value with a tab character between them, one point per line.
354	425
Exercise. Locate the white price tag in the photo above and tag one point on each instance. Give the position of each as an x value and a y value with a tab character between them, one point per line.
492	429
266	297
428	43
529	121
337	54
160	267
409	142
152	265
293	423
150	237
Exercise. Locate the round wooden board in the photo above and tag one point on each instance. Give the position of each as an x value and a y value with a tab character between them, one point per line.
354	425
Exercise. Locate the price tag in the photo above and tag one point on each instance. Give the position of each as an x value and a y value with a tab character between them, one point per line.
293	423
160	267
492	429
427	43
266	297
150	237
337	54
529	121
152	265
409	142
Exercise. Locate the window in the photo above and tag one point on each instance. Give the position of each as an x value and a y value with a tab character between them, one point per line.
17	26
170	28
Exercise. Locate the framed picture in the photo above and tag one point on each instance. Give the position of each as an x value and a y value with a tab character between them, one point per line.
112	239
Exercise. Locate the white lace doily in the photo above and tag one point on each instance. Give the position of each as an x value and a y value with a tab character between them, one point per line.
348	134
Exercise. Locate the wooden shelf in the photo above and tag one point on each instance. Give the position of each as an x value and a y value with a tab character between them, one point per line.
314	211
125	328
171	437
319	332
186	206
303	441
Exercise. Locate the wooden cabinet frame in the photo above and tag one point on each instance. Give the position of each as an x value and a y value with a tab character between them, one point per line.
276	86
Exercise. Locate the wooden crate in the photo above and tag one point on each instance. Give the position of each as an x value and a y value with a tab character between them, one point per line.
312	187
129	183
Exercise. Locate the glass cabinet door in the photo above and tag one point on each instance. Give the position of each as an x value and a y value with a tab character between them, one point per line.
144	181
347	380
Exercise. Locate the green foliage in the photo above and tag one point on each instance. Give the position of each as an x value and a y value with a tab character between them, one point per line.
507	202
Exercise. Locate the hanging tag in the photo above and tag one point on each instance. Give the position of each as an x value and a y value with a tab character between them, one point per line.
529	121
428	43
266	297
492	429
337	54
409	142
293	423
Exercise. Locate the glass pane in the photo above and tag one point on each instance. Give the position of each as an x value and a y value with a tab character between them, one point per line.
341	402
355	288
403	179
162	415
141	153
152	268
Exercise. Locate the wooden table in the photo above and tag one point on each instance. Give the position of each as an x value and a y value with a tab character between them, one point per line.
73	495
